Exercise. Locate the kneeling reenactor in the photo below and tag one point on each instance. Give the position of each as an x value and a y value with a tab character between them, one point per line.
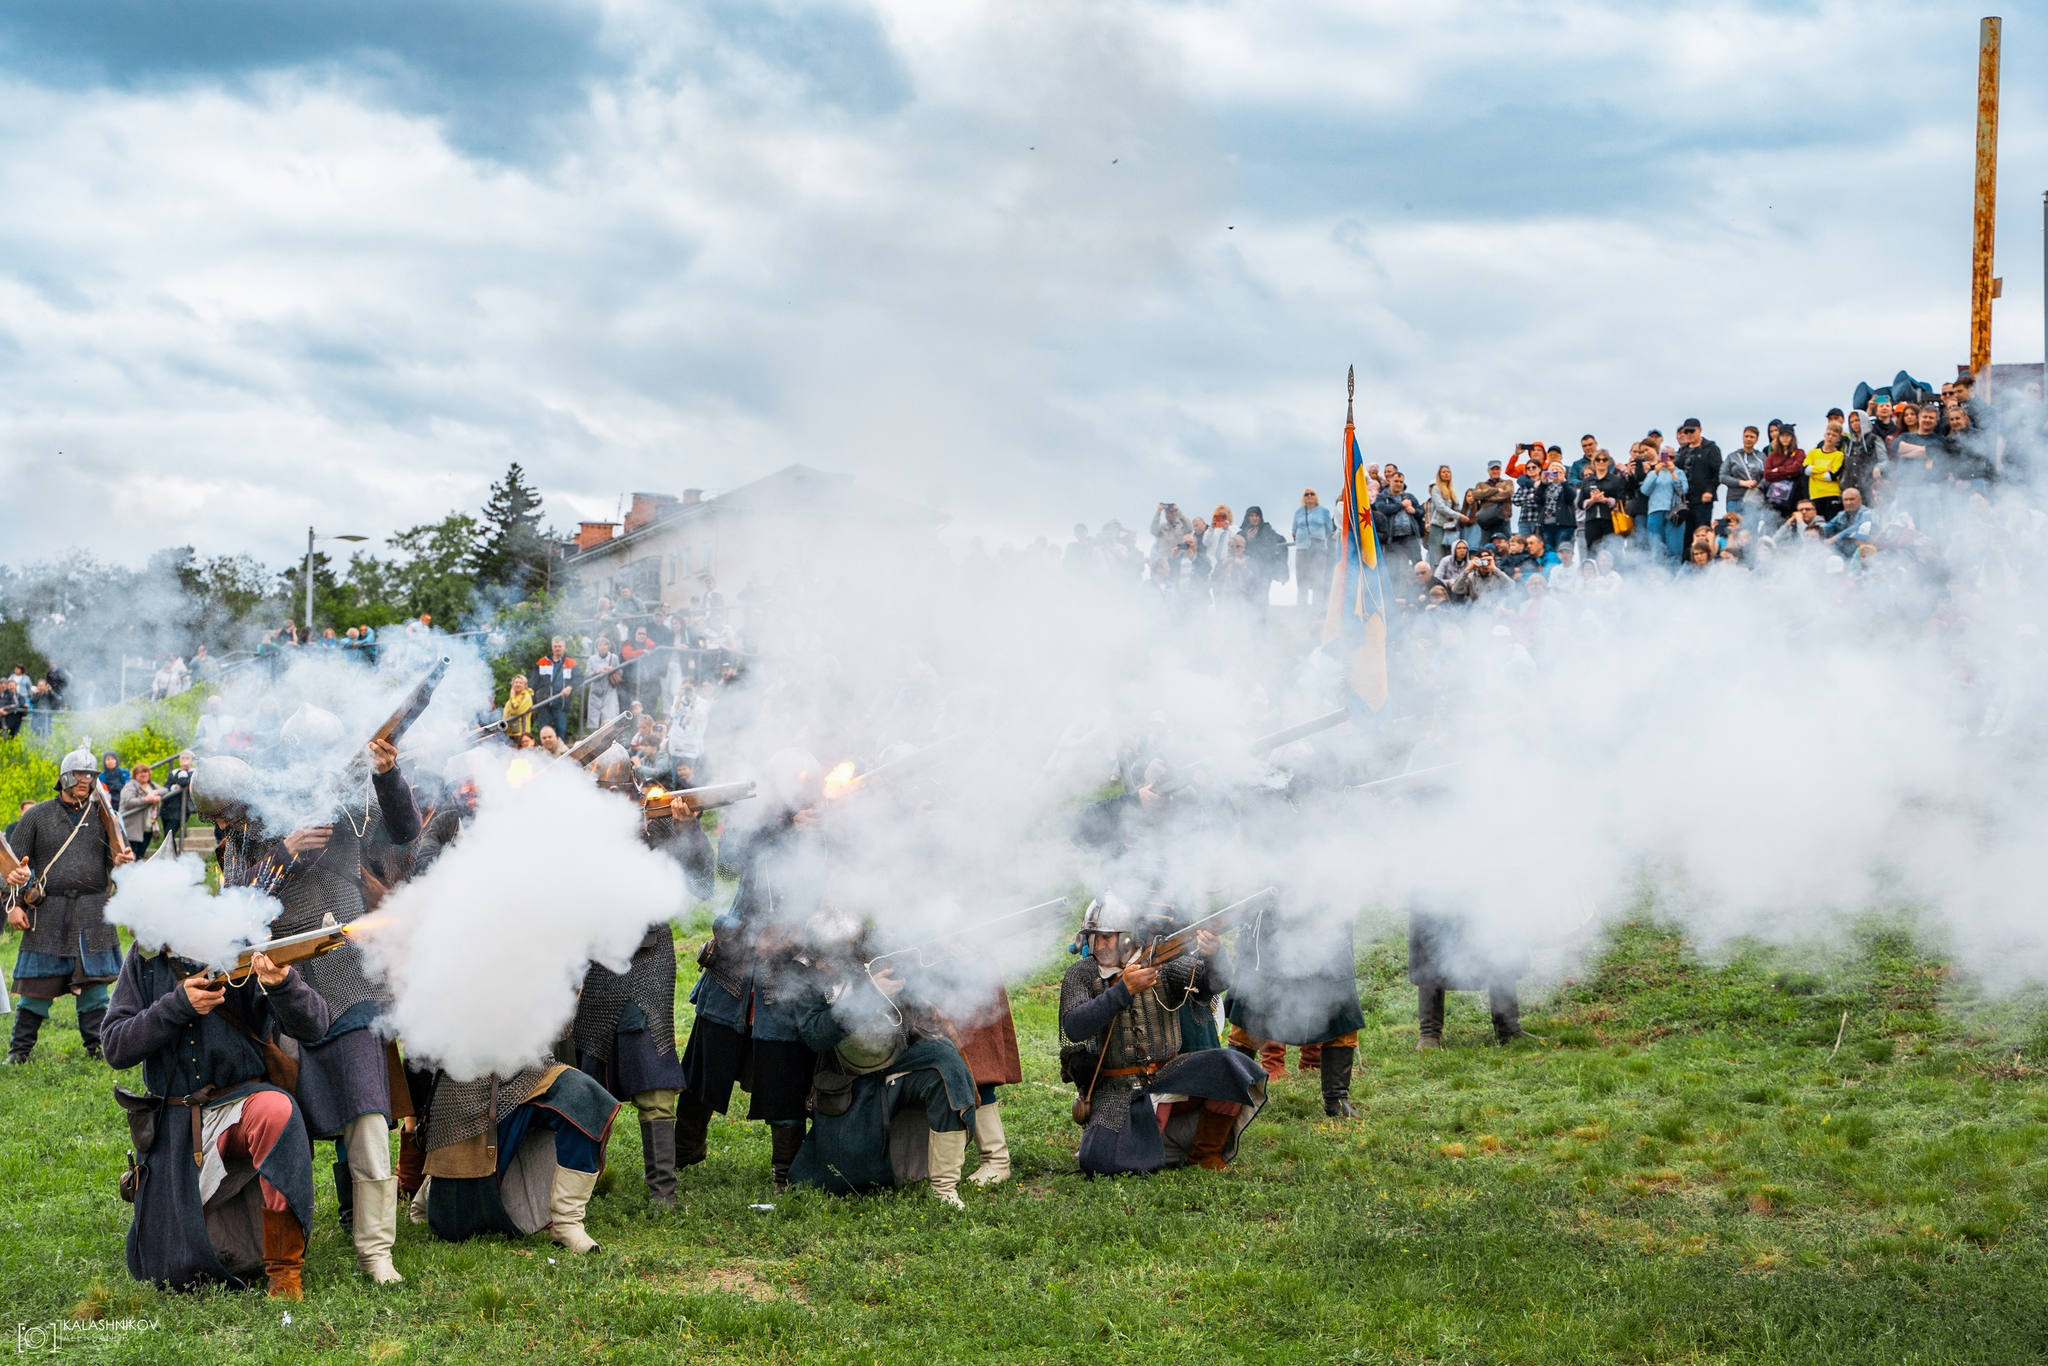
222	1171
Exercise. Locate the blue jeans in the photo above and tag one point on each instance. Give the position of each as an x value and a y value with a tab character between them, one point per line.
1668	533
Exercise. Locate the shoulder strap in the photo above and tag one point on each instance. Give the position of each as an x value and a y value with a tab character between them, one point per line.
42	881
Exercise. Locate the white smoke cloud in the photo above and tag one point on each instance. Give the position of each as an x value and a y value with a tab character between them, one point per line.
165	903
485	952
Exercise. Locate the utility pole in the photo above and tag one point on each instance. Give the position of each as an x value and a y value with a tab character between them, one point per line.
1983	287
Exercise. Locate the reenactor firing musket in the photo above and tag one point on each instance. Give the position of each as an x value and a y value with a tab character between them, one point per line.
697	800
950	945
1169	947
291	948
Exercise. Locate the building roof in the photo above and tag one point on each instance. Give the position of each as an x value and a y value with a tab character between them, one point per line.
791	488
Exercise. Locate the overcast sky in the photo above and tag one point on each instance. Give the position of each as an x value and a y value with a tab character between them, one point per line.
338	263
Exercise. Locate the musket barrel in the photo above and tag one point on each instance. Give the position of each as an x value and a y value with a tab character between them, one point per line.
587	749
1266	744
909	763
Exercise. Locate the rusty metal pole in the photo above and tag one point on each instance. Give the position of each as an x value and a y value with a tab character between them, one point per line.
1987	197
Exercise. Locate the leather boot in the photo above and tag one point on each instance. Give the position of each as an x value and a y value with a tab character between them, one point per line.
947	1153
1311	1057
784	1140
1273	1057
1429	1017
1336	1066
570	1199
412	1160
416	1210
344	1188
284	1252
1212	1131
658	1159
89	1022
693	1124
376	1229
1507	1014
995	1148
26	1024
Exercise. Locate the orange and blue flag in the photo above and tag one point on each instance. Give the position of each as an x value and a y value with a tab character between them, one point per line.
1355	624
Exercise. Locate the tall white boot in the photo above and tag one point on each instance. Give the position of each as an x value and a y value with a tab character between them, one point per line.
995	1149
418	1208
376	1228
947	1154
571	1198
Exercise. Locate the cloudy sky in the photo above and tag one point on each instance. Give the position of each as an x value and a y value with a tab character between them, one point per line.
338	263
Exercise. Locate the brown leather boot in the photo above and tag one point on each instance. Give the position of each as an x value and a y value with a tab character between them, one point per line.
412	1160
1212	1131
693	1128
1273	1057
1311	1058
284	1252
784	1140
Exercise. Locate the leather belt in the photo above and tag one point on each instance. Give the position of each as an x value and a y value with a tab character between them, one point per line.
196	1103
1147	1070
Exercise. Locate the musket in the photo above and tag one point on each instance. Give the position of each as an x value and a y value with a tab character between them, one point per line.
1172	946
1043	911
1402	779
909	763
483	732
117	838
586	750
289	949
408	711
699	799
1266	744
9	861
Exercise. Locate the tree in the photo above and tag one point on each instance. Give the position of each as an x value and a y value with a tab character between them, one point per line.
435	575
511	552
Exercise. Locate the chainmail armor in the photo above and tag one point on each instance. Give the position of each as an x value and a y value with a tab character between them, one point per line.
461	1110
650	983
331	884
1144	1033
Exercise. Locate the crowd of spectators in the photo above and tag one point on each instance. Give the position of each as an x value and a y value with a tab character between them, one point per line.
1864	495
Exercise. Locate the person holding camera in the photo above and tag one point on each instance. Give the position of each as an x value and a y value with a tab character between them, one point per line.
1664	487
1487	505
1169	524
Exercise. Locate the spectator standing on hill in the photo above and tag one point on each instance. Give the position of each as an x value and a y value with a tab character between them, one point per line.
1600	495
1487	506
1315	537
1742	472
1784	471
177	791
1398	519
1266	549
519	707
1823	468
1444	518
554	672
140	800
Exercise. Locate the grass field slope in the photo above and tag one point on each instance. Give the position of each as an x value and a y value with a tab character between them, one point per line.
1838	1158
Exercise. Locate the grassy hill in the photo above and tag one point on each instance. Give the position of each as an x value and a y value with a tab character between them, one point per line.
1690	1170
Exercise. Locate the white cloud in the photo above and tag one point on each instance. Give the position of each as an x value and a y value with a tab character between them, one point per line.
1040	265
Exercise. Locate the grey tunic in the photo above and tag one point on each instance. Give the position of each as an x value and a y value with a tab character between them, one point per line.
75	884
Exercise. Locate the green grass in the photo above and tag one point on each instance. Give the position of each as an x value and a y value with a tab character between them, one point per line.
1689	1171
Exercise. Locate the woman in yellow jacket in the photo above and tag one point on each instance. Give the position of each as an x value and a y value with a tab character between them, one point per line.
1824	475
519	707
